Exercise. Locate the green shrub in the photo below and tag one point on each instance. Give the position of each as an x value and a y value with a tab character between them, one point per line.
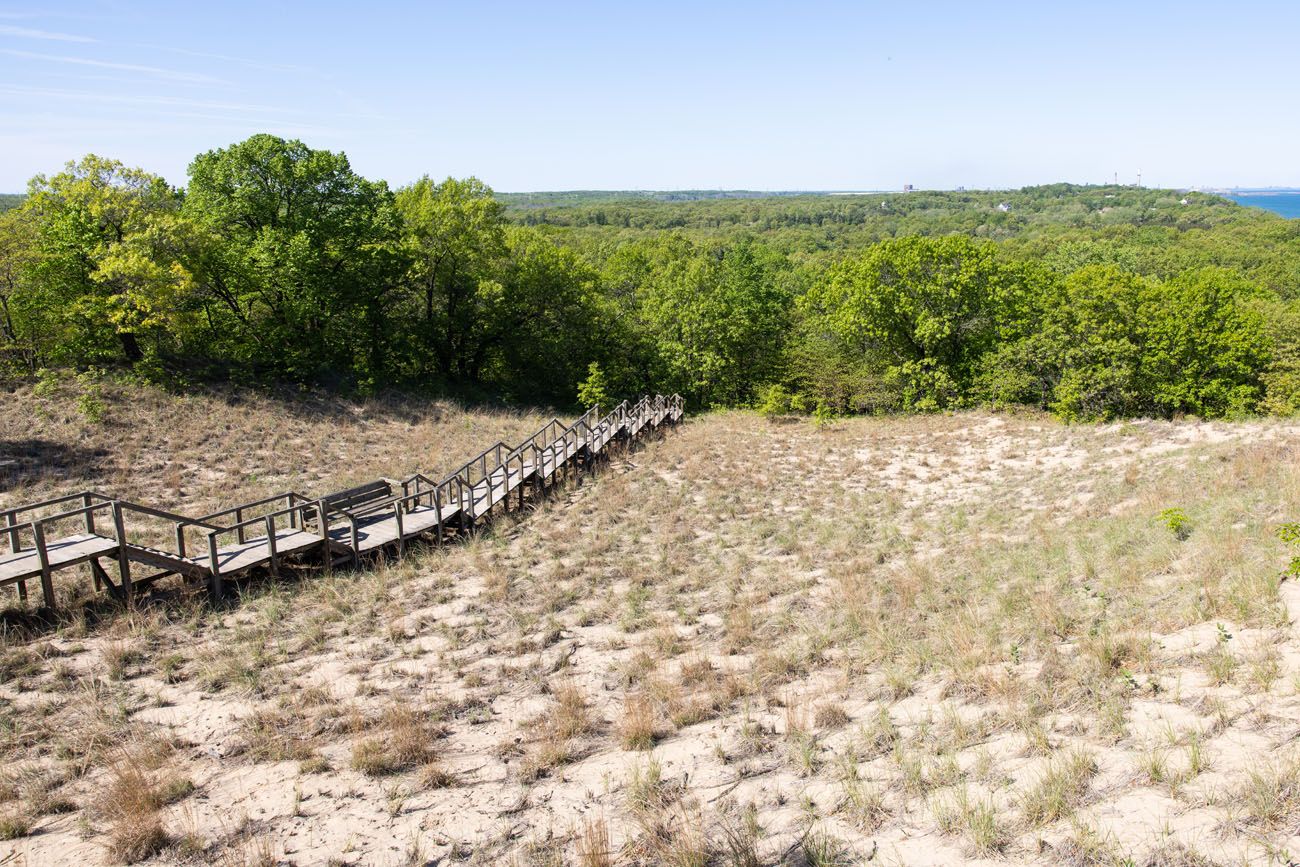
594	390
1176	522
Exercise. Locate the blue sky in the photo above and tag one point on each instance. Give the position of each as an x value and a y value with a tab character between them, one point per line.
667	95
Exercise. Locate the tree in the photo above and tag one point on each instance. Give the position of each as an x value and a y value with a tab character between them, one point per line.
594	390
1204	349
716	317
542	326
928	308
1112	344
455	235
22	330
96	223
296	258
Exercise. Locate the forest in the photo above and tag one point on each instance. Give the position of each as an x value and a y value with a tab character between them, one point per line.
277	263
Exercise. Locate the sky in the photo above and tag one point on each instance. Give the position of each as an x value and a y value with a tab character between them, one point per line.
666	94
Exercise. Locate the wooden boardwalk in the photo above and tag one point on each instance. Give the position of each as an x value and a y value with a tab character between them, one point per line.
329	529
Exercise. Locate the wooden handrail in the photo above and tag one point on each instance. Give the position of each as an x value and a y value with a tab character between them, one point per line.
31	507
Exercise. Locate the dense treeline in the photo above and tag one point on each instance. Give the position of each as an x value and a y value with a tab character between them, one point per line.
278	262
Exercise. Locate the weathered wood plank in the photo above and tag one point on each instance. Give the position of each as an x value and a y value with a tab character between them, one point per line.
67	551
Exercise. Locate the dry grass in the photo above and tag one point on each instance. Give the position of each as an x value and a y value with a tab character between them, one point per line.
593	846
1063	785
406	740
636	728
932	639
206	451
133	803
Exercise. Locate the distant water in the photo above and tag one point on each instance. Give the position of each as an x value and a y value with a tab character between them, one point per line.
1286	203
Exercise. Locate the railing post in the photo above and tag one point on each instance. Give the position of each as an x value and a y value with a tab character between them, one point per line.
270	546
327	554
437	505
215	588
401	542
123	561
11	523
47	582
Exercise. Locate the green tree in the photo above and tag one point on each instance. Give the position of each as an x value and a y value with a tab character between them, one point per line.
97	224
717	317
1204	347
544	323
296	257
928	309
455	234
594	390
1113	344
23	321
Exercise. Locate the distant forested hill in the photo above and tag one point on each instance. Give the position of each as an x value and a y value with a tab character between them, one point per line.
994	214
10	200
1158	232
572	198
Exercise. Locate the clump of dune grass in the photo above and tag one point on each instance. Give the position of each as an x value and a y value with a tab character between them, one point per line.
637	724
138	789
406	740
567	719
593	846
1063	785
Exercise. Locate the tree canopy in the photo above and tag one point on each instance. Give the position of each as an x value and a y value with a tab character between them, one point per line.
277	261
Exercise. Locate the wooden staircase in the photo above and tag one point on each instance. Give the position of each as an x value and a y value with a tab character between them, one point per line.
334	529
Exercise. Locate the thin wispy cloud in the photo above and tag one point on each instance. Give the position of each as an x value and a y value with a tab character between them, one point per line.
130	99
170	102
169	74
29	33
227	58
11	15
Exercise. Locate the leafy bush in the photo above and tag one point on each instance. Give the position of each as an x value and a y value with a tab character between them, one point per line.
1176	522
594	390
776	400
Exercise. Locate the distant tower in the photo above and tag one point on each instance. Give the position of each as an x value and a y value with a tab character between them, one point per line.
1116	181
1139	177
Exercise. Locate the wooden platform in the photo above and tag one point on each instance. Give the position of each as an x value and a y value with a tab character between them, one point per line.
62	553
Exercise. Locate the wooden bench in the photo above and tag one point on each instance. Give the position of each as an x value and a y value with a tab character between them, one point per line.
377	517
358	499
361	506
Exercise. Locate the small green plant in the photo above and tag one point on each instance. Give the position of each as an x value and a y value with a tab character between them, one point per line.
1290	534
777	400
14	826
90	403
594	390
47	382
822	849
1176	521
